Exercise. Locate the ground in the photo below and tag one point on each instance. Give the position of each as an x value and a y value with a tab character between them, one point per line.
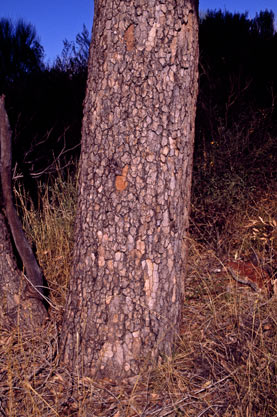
225	361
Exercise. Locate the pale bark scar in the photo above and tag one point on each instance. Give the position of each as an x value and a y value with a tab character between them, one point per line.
173	48
151	281
121	181
129	38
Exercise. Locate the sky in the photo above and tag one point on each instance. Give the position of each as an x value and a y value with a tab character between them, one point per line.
56	20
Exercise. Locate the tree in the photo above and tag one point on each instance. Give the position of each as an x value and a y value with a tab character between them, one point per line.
263	24
20	51
126	290
21	297
74	56
237	83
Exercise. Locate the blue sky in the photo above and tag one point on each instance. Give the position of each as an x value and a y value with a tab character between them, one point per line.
56	20
252	7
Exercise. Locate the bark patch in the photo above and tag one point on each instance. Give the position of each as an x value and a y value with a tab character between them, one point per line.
129	38
121	181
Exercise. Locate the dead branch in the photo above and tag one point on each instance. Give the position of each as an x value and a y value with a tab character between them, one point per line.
22	245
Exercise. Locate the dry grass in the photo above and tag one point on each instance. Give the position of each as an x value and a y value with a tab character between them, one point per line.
225	361
50	228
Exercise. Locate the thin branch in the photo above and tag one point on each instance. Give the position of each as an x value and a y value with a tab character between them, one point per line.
51	166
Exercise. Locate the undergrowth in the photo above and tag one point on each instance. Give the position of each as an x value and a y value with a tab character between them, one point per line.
225	360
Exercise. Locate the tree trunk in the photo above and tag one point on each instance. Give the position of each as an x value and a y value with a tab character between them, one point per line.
21	297
19	306
126	291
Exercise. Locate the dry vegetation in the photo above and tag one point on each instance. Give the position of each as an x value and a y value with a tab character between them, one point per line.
225	361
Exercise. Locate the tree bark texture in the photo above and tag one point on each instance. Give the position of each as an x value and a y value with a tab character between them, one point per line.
126	291
21	299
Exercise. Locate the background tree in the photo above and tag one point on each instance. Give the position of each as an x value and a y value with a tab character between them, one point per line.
20	55
21	296
126	291
237	68
236	119
263	24
74	56
20	51
46	132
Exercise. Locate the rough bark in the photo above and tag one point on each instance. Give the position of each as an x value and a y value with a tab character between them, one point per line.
127	283
21	300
